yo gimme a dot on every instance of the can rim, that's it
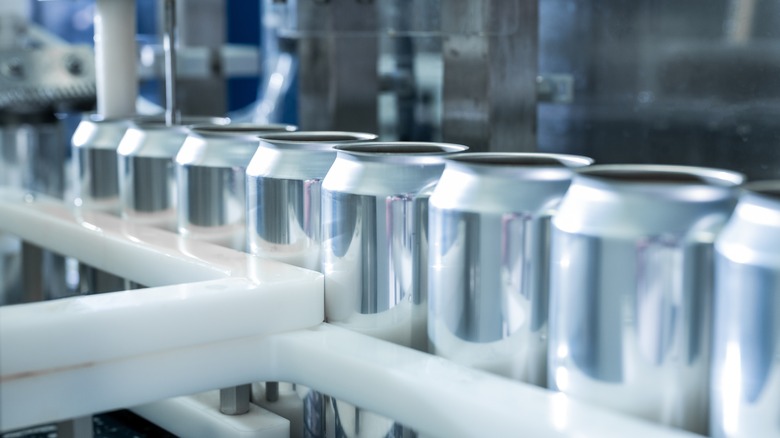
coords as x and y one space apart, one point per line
240 129
313 139
400 148
521 159
661 174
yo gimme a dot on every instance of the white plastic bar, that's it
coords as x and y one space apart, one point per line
116 74
198 416
78 356
217 295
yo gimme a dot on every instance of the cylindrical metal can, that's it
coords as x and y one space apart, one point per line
211 181
147 181
375 237
631 285
284 181
745 385
375 253
95 142
489 225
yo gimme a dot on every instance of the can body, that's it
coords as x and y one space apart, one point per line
631 286
147 180
375 238
284 181
211 181
95 143
745 387
488 263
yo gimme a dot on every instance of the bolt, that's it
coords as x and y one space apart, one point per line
73 65
13 68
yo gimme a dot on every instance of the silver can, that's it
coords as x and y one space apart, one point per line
489 225
745 385
284 181
631 285
95 142
211 181
375 252
375 220
147 180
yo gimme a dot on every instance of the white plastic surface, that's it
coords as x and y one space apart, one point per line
116 74
77 356
198 416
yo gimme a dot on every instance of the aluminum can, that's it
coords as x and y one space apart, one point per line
95 142
489 225
375 252
284 181
211 181
33 159
375 220
147 180
745 385
631 285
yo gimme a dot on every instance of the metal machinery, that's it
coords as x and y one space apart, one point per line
667 82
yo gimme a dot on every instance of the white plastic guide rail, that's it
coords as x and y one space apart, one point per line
216 317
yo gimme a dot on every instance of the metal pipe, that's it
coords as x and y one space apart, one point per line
169 45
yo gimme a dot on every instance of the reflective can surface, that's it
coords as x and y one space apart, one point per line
745 386
488 264
211 180
375 243
147 181
95 142
284 181
631 285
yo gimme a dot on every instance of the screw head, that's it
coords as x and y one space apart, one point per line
13 68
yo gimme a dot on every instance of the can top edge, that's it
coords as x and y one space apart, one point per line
520 159
660 174
156 126
400 148
240 129
313 139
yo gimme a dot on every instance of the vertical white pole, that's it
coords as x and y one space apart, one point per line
115 58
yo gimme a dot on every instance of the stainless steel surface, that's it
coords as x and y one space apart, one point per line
201 24
172 116
235 400
745 390
337 72
284 181
489 225
375 241
631 286
489 84
94 154
232 60
147 180
211 181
